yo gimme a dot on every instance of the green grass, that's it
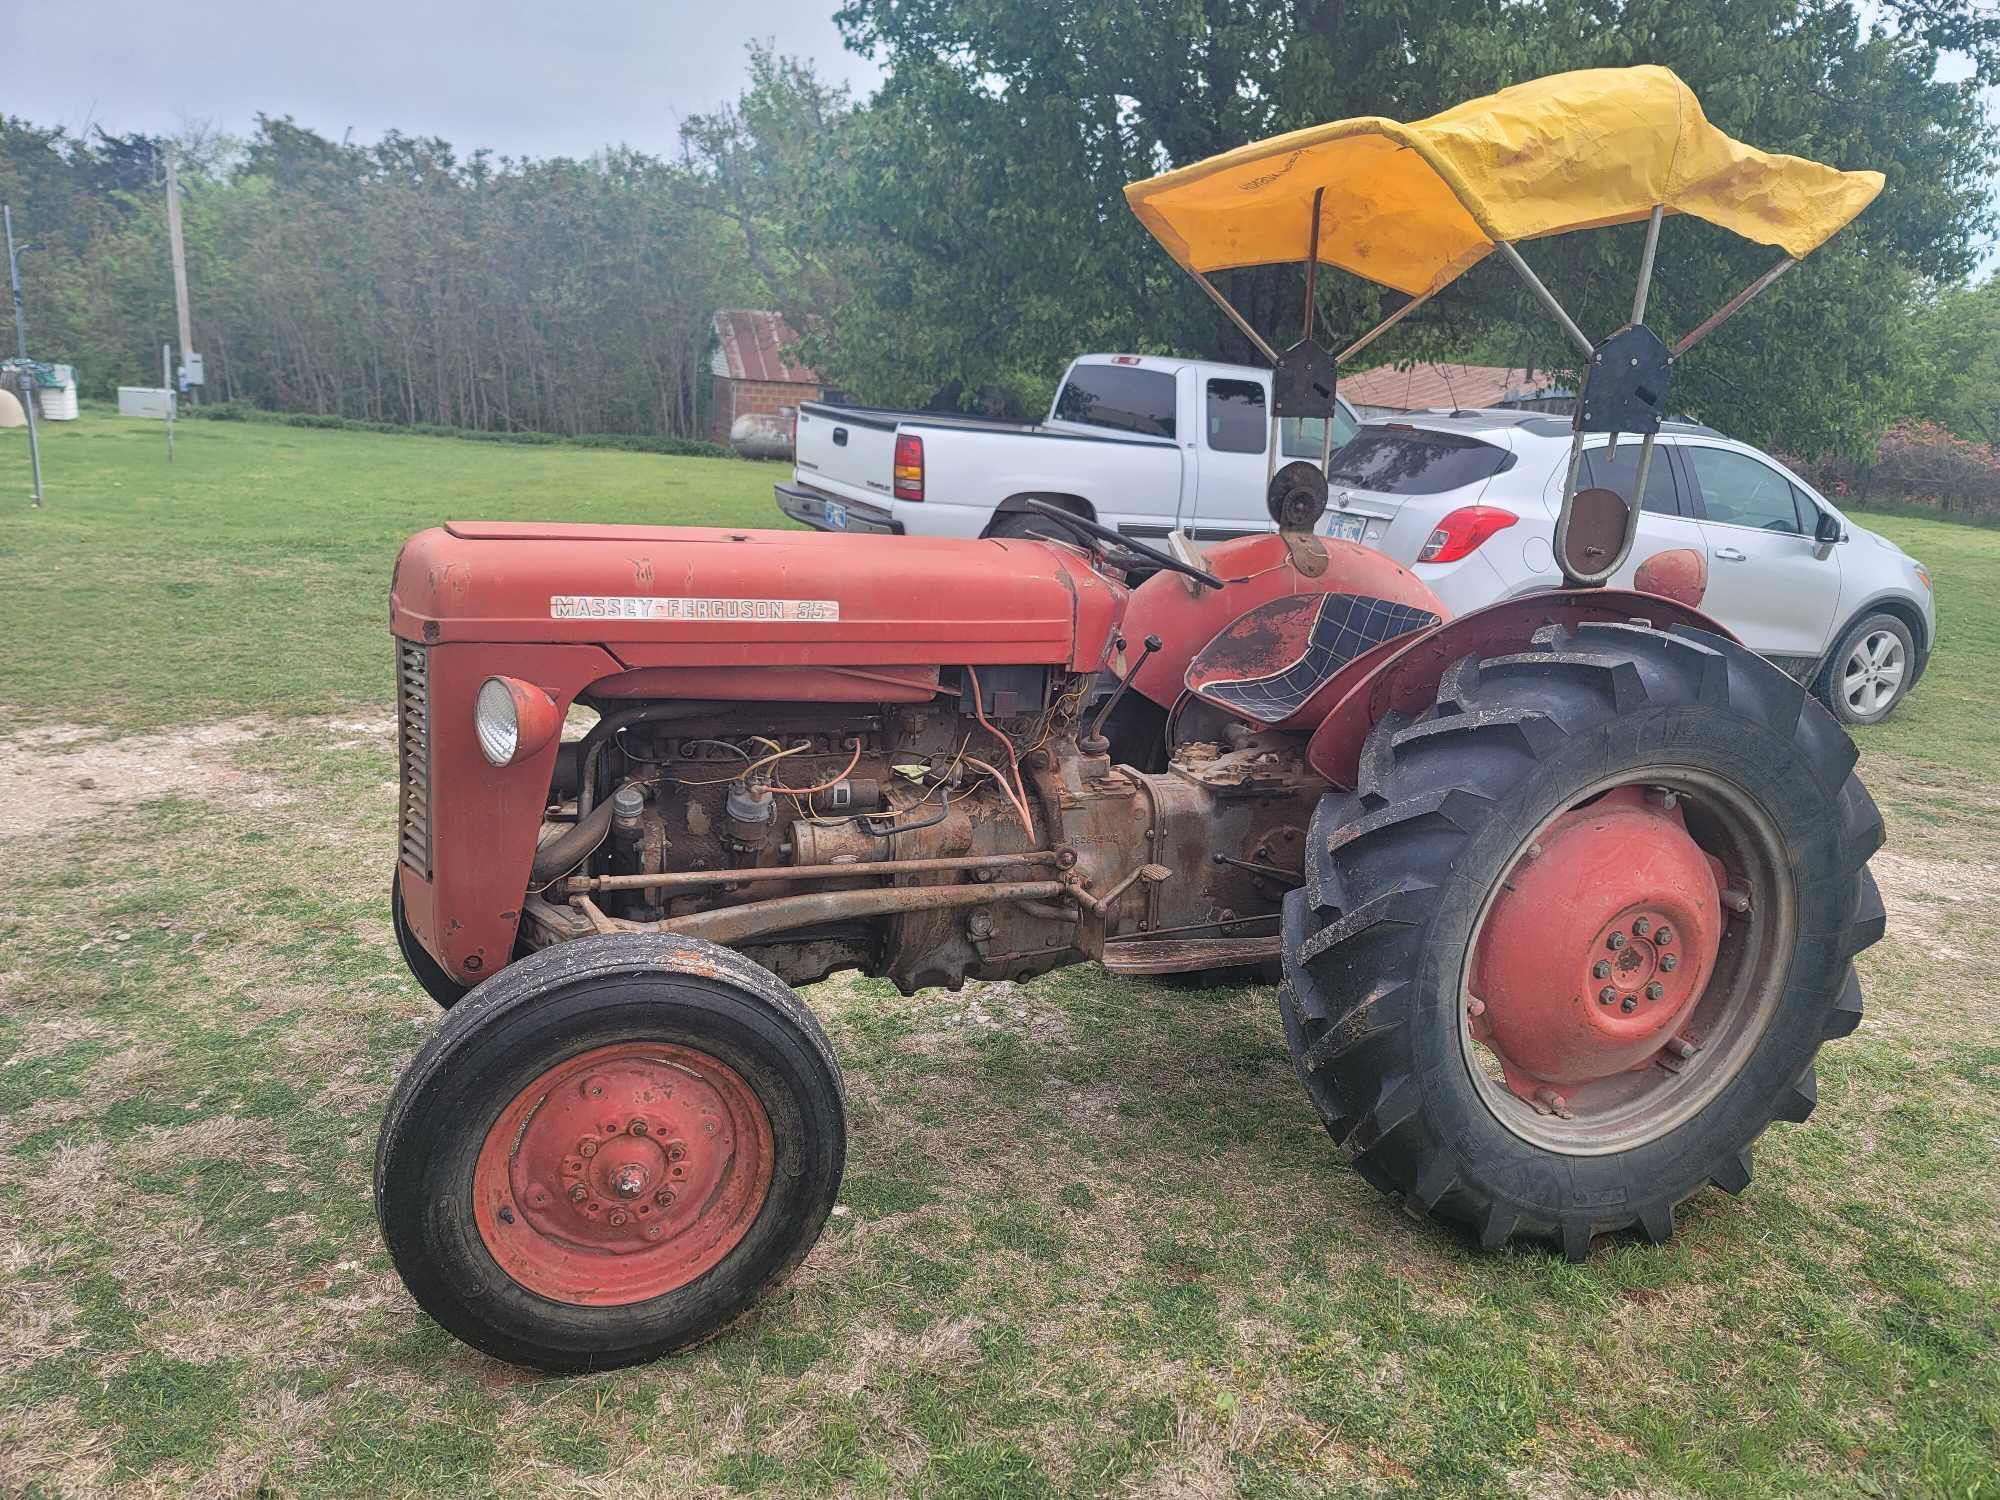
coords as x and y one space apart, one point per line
1093 1241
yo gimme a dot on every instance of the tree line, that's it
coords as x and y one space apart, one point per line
955 237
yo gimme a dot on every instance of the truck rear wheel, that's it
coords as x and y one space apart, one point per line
1579 932
610 1151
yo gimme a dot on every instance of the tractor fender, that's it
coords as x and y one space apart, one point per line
1404 679
1254 569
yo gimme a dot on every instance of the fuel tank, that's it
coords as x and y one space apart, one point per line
700 596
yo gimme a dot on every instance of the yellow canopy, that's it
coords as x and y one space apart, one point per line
1415 206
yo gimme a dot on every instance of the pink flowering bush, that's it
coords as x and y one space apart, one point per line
1918 464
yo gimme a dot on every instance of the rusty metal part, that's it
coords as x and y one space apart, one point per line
693 879
1151 874
1189 955
732 924
590 1221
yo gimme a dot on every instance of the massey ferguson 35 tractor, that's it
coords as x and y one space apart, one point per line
1566 892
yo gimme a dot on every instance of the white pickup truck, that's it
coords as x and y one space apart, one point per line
1141 442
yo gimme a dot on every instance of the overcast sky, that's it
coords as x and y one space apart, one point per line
524 77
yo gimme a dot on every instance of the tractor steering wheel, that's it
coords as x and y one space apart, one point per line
1118 540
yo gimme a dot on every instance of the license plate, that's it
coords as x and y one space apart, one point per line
1345 528
836 516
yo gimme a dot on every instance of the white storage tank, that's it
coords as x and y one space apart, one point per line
144 401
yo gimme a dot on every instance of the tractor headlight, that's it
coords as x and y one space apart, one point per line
514 719
498 722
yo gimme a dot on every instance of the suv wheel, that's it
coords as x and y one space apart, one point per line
1869 671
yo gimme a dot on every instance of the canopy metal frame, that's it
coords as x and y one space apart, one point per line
1578 339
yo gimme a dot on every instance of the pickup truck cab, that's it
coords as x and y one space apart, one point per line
1141 442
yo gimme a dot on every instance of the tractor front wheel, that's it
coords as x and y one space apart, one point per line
1577 935
610 1150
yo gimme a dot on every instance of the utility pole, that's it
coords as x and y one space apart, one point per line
180 265
27 381
14 281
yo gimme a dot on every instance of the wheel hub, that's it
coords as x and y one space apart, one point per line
1597 946
623 1173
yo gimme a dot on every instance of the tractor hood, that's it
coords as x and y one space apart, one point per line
710 596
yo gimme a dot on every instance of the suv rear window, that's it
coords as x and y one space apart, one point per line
1414 461
1119 397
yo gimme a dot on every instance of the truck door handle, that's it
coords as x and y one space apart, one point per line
1730 554
840 437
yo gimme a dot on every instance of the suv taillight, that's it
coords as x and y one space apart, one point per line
909 468
1460 533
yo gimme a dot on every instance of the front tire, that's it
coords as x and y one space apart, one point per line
610 1150
1870 670
1623 780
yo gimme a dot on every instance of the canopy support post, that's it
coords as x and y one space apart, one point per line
1646 265
1547 298
1383 327
1242 324
1312 264
1733 306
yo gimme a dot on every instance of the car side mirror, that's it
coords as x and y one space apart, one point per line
1826 532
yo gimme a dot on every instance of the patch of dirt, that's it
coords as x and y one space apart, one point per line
1919 893
56 777
51 1448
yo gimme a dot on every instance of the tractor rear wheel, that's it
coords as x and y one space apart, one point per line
1578 933
610 1150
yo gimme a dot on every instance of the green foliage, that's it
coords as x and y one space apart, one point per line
623 442
394 283
972 220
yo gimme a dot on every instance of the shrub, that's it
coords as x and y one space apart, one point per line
625 442
1917 465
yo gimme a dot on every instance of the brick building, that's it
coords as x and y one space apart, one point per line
751 371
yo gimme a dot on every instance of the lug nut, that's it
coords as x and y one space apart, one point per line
586 1147
676 1151
578 1193
1641 926
1606 995
664 1197
1615 941
1601 969
1664 936
1655 990
1670 962
652 1231
617 1216
638 1127
1628 1005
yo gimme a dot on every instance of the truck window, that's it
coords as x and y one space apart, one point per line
1236 416
1299 437
1415 461
1119 397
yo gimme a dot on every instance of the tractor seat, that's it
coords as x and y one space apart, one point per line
1268 662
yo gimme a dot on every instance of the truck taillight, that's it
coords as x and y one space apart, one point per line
1460 533
909 468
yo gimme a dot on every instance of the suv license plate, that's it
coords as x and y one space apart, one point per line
836 516
1346 528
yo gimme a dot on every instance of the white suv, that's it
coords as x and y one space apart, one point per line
1468 499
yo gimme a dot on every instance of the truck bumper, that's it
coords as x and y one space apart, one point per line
808 506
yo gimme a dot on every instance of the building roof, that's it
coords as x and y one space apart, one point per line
751 345
1427 387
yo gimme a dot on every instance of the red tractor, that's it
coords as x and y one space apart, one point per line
1565 892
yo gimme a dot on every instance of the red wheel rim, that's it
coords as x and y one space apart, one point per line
1597 946
1582 1031
622 1174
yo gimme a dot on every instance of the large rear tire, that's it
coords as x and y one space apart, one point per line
1531 834
610 1150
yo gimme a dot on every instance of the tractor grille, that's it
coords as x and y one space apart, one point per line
413 753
